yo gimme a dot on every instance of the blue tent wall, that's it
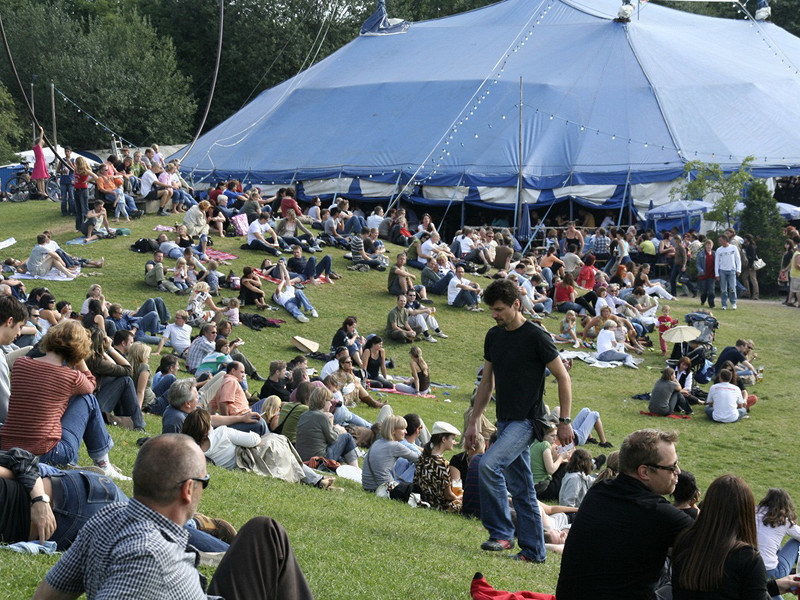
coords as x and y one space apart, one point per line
604 102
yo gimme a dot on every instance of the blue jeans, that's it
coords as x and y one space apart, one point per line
787 557
77 496
156 304
707 291
544 306
161 390
149 323
293 304
339 449
565 306
727 287
354 225
67 199
613 355
342 416
82 420
465 298
583 424
81 207
315 269
440 287
259 427
710 413
118 395
547 275
183 197
504 469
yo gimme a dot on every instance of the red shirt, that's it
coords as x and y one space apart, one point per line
40 392
563 293
288 202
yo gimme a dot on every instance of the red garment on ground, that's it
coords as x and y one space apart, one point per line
481 590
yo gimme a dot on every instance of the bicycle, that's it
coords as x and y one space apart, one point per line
20 187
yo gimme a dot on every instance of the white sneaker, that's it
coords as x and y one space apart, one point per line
733 306
442 335
431 339
724 308
302 318
113 472
314 313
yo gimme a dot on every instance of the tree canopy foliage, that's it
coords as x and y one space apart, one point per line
113 64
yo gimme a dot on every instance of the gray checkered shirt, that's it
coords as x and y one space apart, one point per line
129 551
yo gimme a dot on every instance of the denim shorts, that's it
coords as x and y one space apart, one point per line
77 496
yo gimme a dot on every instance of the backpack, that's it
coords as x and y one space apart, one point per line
145 245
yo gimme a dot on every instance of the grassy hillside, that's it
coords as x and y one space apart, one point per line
356 546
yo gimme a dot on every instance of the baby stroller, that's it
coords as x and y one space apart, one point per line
706 323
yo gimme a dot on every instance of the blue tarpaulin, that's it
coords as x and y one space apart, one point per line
436 104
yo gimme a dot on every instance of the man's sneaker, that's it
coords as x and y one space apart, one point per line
724 308
431 339
219 528
314 313
426 301
599 461
442 335
733 306
113 472
161 213
312 249
302 318
497 545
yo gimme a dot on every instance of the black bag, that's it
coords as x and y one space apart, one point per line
401 491
145 245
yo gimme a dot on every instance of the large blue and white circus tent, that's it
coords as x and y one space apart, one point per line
523 101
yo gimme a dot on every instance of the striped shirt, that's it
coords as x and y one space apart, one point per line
130 551
40 392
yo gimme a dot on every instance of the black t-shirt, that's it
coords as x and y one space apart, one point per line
730 353
519 358
460 462
15 512
340 338
625 515
744 577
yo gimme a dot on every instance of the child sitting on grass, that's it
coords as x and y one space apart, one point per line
568 329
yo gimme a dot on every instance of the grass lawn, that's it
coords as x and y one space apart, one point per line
356 546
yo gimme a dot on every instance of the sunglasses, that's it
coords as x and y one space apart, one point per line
671 468
203 480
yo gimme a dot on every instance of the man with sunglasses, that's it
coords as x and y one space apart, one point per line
630 516
140 549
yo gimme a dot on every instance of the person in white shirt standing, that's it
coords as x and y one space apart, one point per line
727 267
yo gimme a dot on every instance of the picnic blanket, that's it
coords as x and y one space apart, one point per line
219 255
52 275
163 228
261 274
399 393
649 414
7 242
79 241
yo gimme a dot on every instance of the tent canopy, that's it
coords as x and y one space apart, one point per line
436 105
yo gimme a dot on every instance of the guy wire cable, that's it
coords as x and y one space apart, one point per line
213 80
25 97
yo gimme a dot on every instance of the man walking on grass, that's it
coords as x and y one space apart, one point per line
516 354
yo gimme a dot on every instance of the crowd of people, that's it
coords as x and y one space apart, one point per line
75 372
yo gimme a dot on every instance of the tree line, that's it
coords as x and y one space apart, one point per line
143 69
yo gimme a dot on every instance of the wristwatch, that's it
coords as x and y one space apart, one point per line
566 420
43 498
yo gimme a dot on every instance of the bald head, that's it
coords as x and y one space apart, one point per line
162 464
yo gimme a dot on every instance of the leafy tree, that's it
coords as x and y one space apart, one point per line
115 66
708 181
265 42
423 10
11 133
761 218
